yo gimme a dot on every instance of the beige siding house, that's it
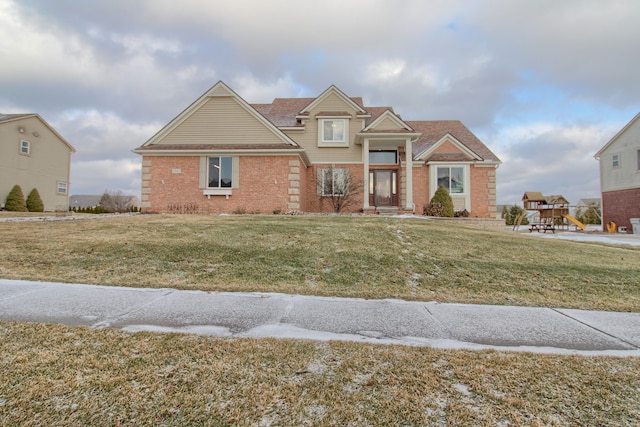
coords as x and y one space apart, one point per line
223 154
34 155
620 176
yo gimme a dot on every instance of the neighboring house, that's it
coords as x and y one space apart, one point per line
588 202
223 154
84 201
584 204
620 176
34 155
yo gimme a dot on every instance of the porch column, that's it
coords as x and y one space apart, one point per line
408 173
365 161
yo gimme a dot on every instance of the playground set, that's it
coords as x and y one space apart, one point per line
553 213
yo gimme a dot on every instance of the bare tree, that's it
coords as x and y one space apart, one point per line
338 186
116 201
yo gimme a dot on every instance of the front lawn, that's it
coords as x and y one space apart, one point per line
61 376
346 256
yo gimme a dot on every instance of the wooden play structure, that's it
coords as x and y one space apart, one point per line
553 212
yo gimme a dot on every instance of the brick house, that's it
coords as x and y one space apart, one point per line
620 176
223 155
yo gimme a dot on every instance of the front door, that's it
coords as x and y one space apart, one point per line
383 187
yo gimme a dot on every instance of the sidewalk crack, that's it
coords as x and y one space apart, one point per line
107 322
634 346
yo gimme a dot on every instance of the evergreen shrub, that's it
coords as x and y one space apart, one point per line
443 197
15 200
34 202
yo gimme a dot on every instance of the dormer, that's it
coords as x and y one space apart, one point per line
334 113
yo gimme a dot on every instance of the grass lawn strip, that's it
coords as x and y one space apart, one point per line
344 256
58 375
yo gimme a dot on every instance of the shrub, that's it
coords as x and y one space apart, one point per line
433 209
15 200
34 202
115 201
461 214
443 197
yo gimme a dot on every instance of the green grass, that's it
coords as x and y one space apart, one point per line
62 376
347 256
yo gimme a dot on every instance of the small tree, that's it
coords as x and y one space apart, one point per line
589 215
34 202
510 215
338 186
115 201
443 197
15 200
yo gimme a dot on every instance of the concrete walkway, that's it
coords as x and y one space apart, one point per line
542 330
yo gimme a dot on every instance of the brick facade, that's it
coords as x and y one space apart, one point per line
483 194
316 203
619 206
267 184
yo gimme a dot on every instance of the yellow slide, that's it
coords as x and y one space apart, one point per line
577 223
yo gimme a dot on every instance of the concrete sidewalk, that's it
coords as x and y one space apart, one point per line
542 330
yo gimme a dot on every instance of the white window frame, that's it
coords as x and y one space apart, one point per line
219 186
23 146
615 161
465 180
336 172
323 142
433 182
61 187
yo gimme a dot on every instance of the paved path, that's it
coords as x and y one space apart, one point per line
431 324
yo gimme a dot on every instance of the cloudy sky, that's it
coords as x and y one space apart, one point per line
544 83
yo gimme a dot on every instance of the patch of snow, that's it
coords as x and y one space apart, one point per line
608 238
208 330
463 389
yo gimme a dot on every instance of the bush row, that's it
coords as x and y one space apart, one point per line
16 202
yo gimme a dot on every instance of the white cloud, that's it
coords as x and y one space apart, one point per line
255 91
550 158
33 51
102 135
543 83
97 176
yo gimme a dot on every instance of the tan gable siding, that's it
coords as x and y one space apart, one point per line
309 138
387 124
332 103
221 120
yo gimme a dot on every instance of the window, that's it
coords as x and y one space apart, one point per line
383 157
452 178
333 132
61 187
220 172
638 155
615 161
334 182
25 148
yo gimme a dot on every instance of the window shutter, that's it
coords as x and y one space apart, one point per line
202 179
235 172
